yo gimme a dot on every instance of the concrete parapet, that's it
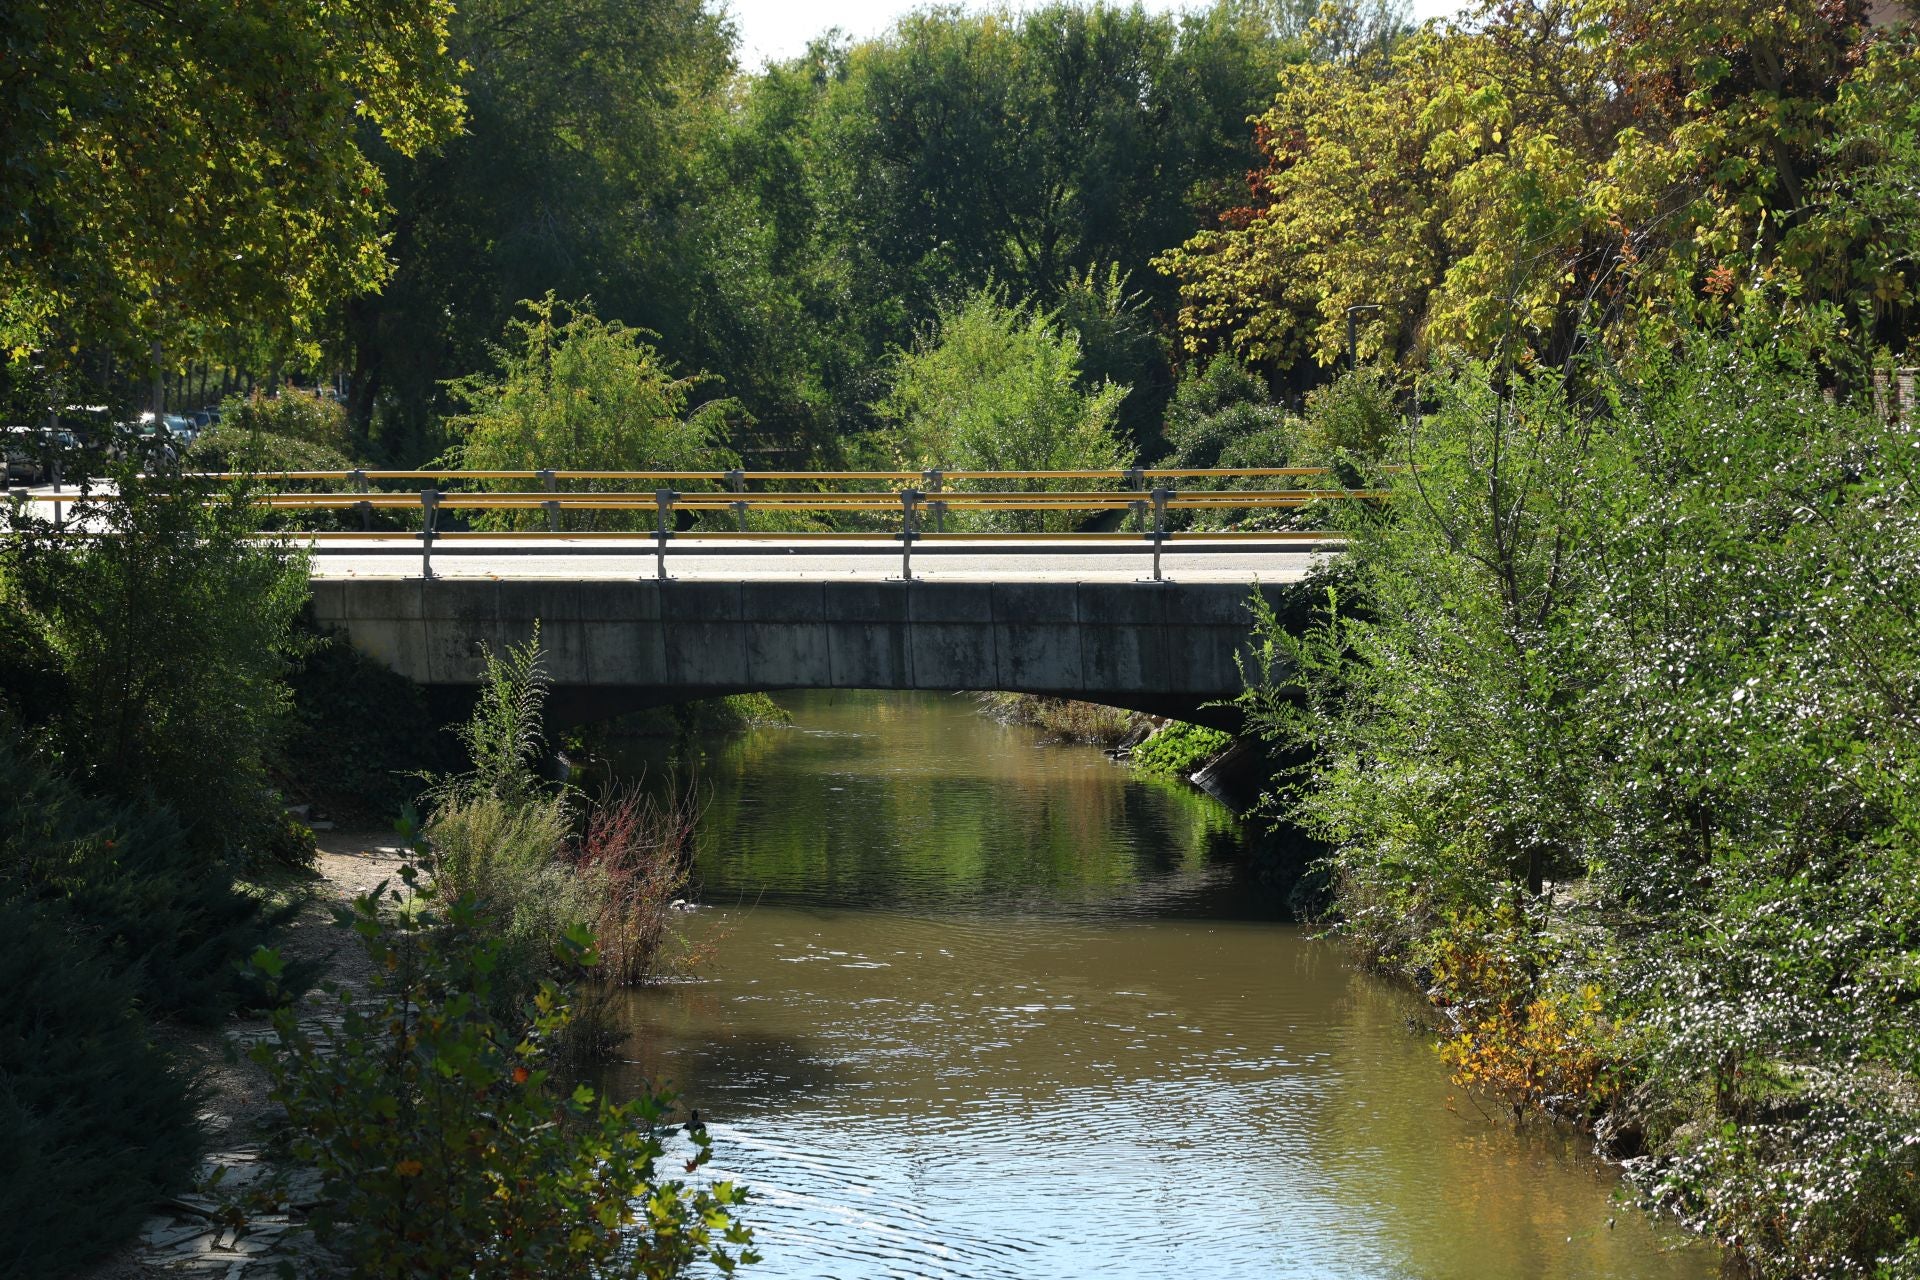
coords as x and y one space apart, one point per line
614 645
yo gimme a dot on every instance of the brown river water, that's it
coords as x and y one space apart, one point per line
981 1006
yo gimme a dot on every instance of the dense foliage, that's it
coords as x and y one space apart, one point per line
786 230
175 173
155 653
1533 168
579 393
94 1114
445 1144
1613 732
995 387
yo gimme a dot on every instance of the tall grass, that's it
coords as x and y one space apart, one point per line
539 863
1068 720
637 847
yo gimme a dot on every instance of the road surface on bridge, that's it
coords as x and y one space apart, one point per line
696 559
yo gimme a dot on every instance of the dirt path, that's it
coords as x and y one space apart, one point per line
187 1236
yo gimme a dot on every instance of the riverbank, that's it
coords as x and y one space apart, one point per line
239 1221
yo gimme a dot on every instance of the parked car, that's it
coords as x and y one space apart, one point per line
30 452
25 459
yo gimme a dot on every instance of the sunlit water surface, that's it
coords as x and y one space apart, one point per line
978 1006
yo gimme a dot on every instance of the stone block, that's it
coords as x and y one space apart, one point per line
699 602
788 655
1123 656
624 652
1208 603
705 655
1037 657
953 655
869 655
1114 604
866 601
465 602
388 598
784 602
1030 603
968 602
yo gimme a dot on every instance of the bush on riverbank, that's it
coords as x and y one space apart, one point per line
140 703
1178 749
156 654
1068 720
1612 734
445 1144
520 847
97 1120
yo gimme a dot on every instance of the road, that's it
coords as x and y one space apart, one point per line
696 559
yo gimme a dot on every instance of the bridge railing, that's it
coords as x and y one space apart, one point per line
1146 493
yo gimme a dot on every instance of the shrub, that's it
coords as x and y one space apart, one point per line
228 448
153 904
996 387
292 416
1178 749
579 393
1352 419
638 850
1223 416
445 1146
170 634
1634 666
506 855
97 1121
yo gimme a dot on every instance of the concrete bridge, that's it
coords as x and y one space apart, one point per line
619 644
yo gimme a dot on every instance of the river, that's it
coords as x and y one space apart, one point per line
980 1006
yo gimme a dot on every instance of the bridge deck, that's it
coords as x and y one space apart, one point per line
696 559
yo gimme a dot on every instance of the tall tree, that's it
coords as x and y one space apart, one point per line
575 174
1549 164
171 171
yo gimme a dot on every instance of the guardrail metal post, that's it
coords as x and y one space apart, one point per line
59 507
1136 480
909 530
553 508
359 479
737 481
1159 534
429 521
663 500
935 476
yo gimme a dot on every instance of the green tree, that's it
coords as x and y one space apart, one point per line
997 387
172 170
579 393
1544 170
